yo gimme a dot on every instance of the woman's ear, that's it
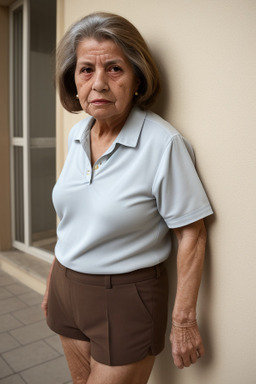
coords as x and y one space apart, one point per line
136 86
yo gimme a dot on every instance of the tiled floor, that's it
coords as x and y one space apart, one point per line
29 351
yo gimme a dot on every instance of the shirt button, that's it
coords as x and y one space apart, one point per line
88 173
96 167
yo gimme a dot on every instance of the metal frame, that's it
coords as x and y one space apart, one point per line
23 142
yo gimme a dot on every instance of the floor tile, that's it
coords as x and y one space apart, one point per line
28 263
33 332
13 379
8 322
11 304
29 315
52 372
5 370
18 288
4 294
27 357
31 298
55 343
30 353
7 342
6 280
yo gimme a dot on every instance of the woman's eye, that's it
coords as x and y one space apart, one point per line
115 69
86 70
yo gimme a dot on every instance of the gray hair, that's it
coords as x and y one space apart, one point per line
102 26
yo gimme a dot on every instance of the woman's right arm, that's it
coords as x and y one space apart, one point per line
44 304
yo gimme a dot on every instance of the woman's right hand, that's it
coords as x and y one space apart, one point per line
44 304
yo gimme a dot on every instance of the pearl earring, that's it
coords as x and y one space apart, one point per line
136 93
77 96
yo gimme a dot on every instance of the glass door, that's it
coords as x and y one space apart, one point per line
33 39
42 122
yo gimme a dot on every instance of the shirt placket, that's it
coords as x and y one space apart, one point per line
92 171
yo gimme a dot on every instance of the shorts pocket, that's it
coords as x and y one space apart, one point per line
145 294
143 297
126 302
129 324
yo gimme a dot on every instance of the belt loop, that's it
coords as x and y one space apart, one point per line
108 284
158 271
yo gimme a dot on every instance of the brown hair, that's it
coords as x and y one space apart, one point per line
100 26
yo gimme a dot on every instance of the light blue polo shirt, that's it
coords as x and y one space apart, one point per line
115 216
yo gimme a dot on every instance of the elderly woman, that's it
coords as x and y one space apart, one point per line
128 179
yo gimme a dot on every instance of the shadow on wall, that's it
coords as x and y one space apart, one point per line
163 102
205 298
164 369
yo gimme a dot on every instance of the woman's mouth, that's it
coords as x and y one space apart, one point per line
100 102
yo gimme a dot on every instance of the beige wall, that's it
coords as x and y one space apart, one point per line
5 224
206 52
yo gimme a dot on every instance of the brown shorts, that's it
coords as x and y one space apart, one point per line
123 316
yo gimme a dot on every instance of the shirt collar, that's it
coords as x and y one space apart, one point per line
129 134
83 133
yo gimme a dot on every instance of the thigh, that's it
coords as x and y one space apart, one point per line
78 355
135 373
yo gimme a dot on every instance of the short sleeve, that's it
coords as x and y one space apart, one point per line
180 196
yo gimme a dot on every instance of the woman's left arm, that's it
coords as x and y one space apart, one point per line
186 341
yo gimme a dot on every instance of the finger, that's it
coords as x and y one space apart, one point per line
191 352
200 351
44 309
178 361
186 361
193 357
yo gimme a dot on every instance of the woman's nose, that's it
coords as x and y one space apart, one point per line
100 83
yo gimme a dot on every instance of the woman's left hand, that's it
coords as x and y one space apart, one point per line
187 345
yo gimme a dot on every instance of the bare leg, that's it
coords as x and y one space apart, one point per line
136 373
78 356
85 370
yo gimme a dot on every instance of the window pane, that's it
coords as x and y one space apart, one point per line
42 122
17 71
42 68
42 211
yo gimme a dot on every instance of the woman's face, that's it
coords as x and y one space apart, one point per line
105 80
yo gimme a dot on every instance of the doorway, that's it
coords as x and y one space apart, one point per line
32 118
